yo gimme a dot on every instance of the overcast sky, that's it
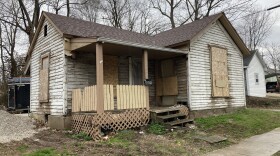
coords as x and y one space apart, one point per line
275 30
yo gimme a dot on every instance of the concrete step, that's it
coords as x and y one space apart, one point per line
179 122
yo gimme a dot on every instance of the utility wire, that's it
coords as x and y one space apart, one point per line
268 9
273 7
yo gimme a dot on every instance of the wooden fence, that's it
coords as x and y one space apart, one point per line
131 96
127 97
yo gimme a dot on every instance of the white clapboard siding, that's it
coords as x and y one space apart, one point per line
52 43
253 88
79 73
200 71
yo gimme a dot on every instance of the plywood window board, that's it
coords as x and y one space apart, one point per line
219 71
44 78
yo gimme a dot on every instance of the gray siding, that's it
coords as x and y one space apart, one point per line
123 71
199 71
81 72
182 78
52 43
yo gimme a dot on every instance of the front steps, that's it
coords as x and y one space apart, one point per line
170 116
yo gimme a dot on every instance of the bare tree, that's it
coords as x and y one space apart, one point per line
115 11
255 27
29 19
168 8
148 24
272 57
88 10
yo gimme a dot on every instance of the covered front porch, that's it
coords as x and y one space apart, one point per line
123 77
116 84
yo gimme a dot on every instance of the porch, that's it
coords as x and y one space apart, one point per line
113 86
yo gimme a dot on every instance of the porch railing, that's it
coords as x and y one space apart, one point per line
127 97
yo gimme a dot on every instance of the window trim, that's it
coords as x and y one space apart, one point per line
45 30
43 56
257 78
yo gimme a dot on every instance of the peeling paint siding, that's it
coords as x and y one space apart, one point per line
254 89
181 72
200 72
52 43
81 72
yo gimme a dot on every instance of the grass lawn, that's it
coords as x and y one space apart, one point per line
156 140
241 124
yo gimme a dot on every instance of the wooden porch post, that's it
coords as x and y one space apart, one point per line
99 78
145 74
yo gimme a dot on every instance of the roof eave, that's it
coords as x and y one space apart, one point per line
138 45
234 35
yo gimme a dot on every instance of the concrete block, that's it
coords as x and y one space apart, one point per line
59 122
39 117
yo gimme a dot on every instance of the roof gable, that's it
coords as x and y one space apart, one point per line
247 60
185 32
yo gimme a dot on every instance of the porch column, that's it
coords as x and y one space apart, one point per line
99 78
145 74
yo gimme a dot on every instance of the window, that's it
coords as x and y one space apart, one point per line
44 78
219 72
257 79
45 30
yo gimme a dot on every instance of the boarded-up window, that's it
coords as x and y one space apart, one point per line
219 69
44 78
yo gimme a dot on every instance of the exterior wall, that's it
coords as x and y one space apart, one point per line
253 88
182 78
80 72
52 43
200 71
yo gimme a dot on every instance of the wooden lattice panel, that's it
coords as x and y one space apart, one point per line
184 110
92 124
87 125
77 122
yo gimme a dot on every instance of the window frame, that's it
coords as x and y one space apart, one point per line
213 85
45 30
257 78
45 55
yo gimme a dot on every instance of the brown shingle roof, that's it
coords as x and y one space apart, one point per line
81 28
185 32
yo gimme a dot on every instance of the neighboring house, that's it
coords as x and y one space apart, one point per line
79 66
270 75
255 68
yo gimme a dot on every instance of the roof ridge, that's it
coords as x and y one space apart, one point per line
103 25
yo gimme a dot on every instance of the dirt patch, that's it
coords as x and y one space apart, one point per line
267 102
129 142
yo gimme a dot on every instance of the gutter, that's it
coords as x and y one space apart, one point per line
138 45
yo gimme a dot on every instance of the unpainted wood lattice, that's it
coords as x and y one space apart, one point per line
77 122
92 124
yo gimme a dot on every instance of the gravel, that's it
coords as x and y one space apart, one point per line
14 127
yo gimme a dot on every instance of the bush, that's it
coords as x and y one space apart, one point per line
156 128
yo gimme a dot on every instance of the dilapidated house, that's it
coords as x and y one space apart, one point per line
78 66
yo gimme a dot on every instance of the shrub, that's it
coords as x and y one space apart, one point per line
156 128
